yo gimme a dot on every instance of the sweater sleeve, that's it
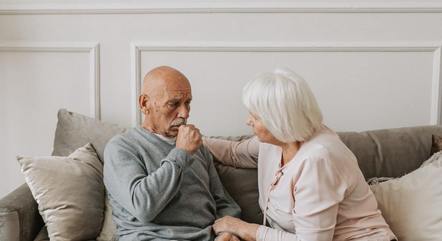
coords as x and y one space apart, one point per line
265 233
143 194
225 205
239 154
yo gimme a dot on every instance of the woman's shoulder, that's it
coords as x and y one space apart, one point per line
326 142
321 145
328 152
315 154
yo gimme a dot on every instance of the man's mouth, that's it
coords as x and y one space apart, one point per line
178 122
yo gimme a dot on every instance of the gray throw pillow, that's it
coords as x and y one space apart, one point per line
69 192
75 130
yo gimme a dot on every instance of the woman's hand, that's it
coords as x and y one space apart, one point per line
226 237
236 226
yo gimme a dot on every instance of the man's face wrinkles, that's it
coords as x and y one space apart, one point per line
172 110
168 94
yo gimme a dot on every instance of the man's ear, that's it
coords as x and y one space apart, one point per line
144 103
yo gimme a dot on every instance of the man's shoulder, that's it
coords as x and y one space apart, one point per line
126 140
122 137
133 139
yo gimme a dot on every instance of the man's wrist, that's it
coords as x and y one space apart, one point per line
180 157
247 231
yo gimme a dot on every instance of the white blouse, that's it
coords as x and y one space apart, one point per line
320 195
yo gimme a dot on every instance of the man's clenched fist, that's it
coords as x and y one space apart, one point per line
188 138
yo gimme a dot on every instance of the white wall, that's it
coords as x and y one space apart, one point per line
371 64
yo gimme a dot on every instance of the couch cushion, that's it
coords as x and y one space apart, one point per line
69 192
75 130
22 202
107 232
42 235
9 225
391 152
242 186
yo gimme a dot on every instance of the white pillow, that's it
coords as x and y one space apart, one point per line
435 160
412 204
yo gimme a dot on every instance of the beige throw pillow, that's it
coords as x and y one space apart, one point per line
69 192
109 229
411 205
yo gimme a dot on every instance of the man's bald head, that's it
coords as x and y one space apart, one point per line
165 100
164 78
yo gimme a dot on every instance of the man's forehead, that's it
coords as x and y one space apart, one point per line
178 89
178 93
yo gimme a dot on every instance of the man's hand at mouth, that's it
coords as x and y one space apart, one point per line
188 138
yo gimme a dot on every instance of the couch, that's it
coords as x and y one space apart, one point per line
380 153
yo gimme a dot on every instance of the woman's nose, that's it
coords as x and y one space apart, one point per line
249 122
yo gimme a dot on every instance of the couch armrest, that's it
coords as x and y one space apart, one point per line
20 207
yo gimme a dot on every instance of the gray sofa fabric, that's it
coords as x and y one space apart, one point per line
29 219
75 130
391 152
9 225
42 235
243 190
380 153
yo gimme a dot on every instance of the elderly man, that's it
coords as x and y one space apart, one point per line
161 181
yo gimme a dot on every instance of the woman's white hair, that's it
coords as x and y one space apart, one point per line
285 104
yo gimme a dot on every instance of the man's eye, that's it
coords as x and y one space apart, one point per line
172 104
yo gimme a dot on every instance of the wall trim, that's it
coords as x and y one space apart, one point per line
94 63
436 95
72 7
432 47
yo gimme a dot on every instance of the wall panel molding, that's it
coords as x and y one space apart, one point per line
436 95
137 48
93 49
71 7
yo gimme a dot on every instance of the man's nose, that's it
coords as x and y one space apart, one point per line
183 112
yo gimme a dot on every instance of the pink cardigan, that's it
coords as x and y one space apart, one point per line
320 195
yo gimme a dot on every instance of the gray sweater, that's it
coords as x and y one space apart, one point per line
159 192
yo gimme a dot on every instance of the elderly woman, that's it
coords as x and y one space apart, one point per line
310 184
